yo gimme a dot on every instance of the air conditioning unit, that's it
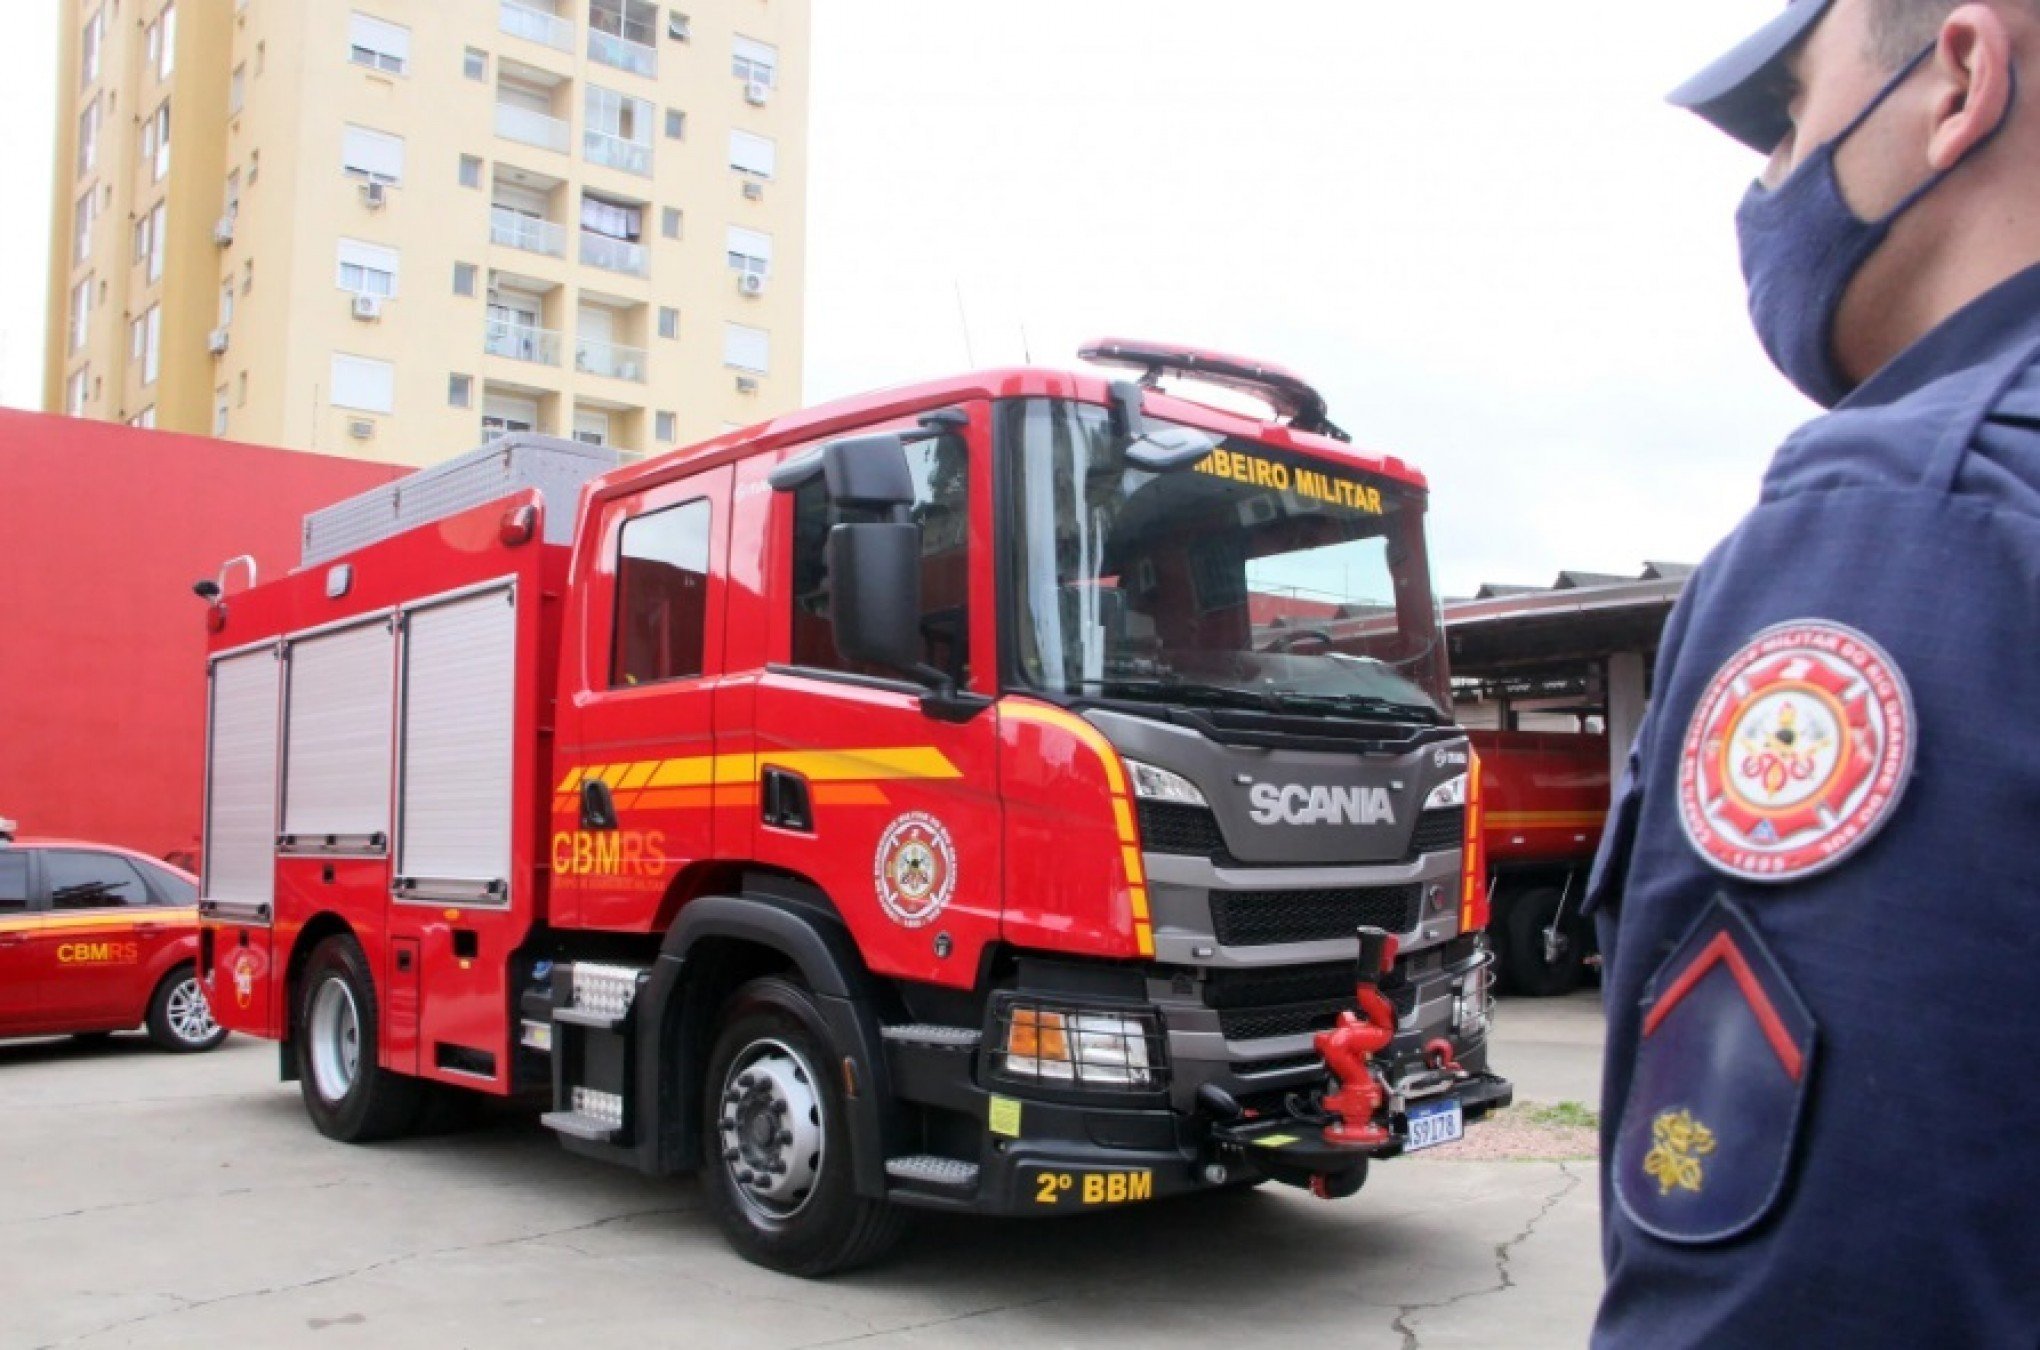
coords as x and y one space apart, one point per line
375 194
216 341
746 384
754 192
223 231
368 308
360 428
757 92
751 283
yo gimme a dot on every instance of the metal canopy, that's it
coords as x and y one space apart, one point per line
1522 634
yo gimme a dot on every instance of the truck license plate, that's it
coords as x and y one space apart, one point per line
1438 1123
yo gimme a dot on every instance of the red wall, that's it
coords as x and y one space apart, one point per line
102 644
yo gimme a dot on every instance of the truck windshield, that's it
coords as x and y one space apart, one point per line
1257 579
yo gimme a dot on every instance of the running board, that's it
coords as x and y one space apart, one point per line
575 1125
926 1169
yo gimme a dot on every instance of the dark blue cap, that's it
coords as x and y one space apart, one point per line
1745 92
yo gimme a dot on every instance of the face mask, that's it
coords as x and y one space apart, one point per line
1802 246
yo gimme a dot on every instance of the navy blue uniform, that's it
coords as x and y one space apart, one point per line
1819 895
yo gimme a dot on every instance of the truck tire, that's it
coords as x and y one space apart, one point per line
778 1175
1530 971
349 1096
180 1020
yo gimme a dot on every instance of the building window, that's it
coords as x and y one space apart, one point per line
618 131
367 269
676 125
261 56
219 411
241 390
506 416
372 156
679 27
661 595
81 226
591 428
474 63
145 420
460 391
669 222
463 278
88 137
665 428
749 252
753 154
75 390
754 62
364 385
746 348
166 50
146 344
81 314
156 142
237 88
254 166
669 322
233 198
226 302
470 171
93 46
612 220
247 276
378 44
159 239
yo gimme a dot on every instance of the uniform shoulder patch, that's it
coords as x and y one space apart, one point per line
1798 752
1705 1144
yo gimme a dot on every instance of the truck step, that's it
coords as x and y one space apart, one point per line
581 1126
935 1037
926 1169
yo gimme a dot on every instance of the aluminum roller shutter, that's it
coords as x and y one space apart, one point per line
460 681
336 774
240 790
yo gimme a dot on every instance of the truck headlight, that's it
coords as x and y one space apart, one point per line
1451 792
1151 784
1082 1049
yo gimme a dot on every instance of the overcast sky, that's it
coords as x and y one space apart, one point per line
1476 226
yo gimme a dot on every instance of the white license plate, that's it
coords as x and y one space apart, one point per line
1430 1126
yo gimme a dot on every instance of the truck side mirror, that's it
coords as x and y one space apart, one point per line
875 595
1166 449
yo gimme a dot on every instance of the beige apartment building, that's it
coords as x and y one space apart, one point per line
392 228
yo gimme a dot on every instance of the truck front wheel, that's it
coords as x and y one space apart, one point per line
349 1096
778 1178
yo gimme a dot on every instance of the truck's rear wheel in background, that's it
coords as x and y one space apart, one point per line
778 1175
1531 968
349 1096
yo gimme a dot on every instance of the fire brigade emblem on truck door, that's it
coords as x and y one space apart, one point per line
915 869
1797 754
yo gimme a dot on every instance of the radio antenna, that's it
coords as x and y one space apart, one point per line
963 322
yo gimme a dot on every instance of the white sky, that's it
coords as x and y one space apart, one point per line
1476 226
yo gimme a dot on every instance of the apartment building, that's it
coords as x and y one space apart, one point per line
392 228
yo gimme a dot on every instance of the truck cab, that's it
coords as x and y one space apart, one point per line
963 797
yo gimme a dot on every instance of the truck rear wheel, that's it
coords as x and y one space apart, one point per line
349 1096
1534 969
778 1178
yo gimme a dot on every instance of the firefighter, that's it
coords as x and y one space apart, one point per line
1817 899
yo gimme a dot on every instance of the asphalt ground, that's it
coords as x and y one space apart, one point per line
148 1199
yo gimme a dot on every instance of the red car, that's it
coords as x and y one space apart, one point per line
95 939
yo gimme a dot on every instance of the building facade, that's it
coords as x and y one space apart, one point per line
391 228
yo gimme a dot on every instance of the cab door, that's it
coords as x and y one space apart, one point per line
638 722
891 811
20 957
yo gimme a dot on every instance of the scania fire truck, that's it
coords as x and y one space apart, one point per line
929 800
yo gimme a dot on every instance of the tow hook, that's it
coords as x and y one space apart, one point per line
1349 1048
1438 1054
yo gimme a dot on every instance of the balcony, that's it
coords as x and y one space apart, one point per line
531 128
623 53
614 255
535 25
599 147
593 356
515 230
541 346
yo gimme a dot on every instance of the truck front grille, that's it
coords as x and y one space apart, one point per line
1439 830
1255 1005
1172 827
1261 918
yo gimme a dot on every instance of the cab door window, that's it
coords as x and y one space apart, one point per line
79 880
941 470
661 595
13 882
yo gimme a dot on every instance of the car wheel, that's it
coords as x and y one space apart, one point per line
778 1178
180 1020
1533 969
348 1094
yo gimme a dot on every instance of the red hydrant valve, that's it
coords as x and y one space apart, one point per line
1349 1048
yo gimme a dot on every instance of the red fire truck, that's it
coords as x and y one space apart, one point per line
1546 800
894 805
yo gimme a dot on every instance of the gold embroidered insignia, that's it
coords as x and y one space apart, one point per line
1678 1143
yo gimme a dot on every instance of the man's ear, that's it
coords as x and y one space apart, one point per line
1973 84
